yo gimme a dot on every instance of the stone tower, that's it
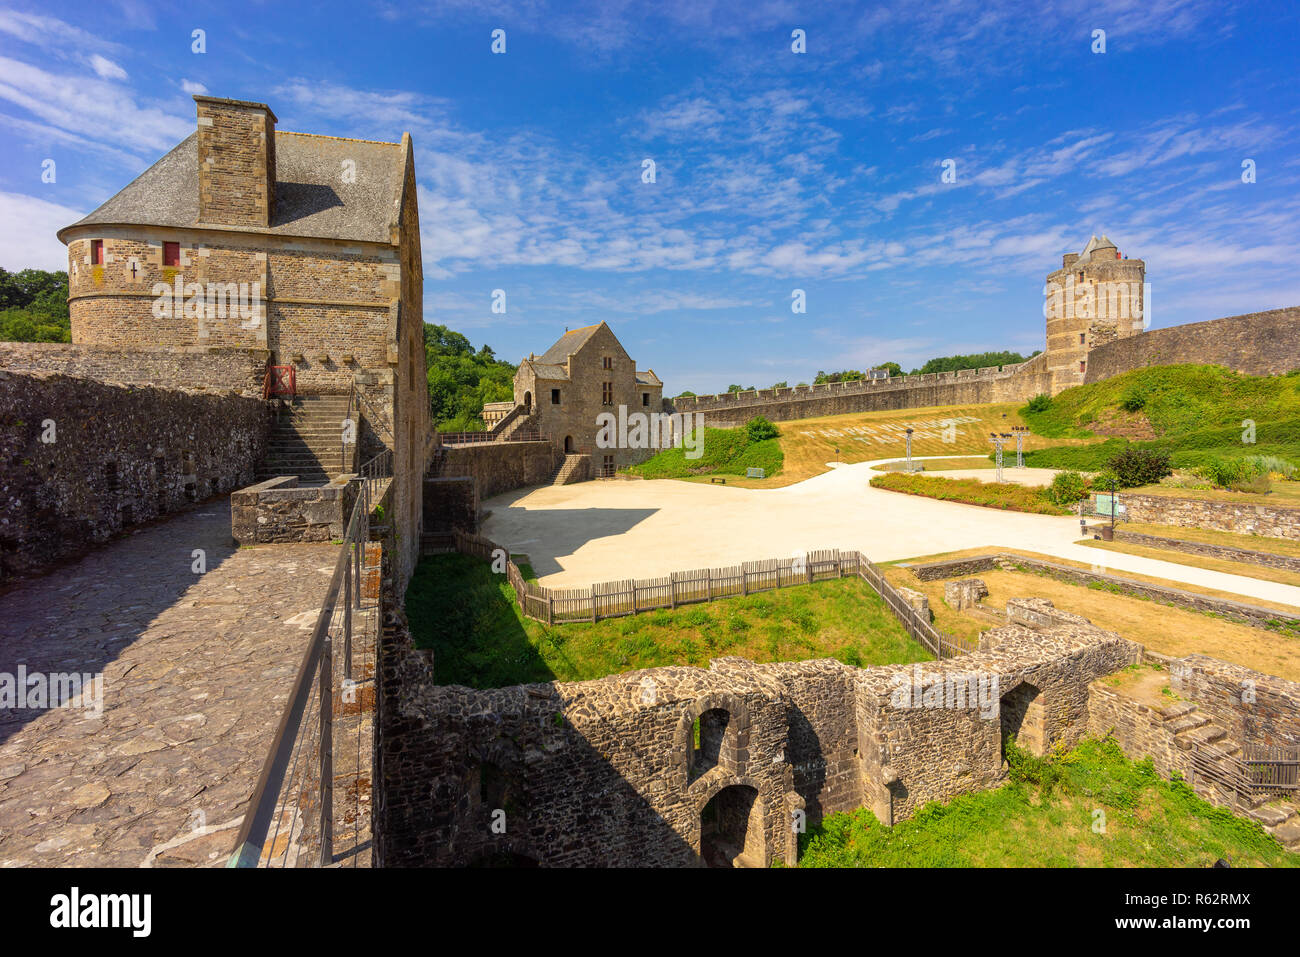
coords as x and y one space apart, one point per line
1096 296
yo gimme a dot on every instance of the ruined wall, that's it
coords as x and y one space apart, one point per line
1244 518
121 455
605 773
1258 343
198 368
1251 706
277 510
450 503
500 466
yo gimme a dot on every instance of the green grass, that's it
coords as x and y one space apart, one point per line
1196 412
1044 817
469 617
725 452
1004 495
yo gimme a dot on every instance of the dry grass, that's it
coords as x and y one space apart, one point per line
807 447
1134 576
1170 631
1246 569
1283 495
1255 543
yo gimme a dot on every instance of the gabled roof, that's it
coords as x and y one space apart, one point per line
568 344
648 378
310 197
545 370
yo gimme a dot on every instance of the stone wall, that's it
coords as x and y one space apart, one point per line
1253 707
500 466
277 511
1258 343
1244 518
198 368
1267 559
1016 383
114 456
606 772
450 503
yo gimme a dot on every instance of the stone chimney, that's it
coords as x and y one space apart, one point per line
236 162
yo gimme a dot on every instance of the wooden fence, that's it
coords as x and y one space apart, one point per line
615 599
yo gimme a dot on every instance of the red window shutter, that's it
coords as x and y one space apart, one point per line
97 252
171 254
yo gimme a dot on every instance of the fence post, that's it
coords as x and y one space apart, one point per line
634 596
593 604
326 754
347 619
550 609
672 589
744 581
708 584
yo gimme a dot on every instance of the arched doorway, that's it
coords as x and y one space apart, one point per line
707 734
1022 714
568 445
731 828
528 401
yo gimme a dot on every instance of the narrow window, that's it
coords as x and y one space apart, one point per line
555 397
645 398
97 252
1082 365
171 254
1081 338
607 393
608 362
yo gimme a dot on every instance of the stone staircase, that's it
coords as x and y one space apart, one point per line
1215 772
576 467
306 440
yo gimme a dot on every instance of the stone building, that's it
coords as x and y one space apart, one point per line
585 375
299 248
1096 297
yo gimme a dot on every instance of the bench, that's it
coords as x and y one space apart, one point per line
715 480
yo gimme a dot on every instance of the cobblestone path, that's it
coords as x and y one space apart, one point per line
195 667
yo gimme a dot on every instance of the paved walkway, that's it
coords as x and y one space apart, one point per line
195 672
600 531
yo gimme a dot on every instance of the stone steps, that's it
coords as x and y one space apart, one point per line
307 440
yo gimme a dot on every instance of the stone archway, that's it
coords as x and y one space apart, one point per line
731 828
1023 715
568 445
528 401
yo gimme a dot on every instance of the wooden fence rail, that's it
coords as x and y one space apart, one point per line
614 599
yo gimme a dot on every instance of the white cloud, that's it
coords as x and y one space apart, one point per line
34 245
189 86
106 68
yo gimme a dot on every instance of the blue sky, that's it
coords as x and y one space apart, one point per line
775 171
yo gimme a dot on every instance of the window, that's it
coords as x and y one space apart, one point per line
1081 338
171 254
97 252
607 362
555 397
645 398
607 393
1082 365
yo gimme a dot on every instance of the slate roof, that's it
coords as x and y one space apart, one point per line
545 370
310 197
648 378
568 344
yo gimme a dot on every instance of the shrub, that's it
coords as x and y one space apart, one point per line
1133 400
1273 466
1105 480
1134 467
1067 488
1040 403
1224 472
760 429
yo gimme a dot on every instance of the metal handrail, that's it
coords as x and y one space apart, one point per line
317 660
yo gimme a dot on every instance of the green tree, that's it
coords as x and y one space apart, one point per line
34 306
462 381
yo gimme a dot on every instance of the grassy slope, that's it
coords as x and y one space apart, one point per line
971 491
1195 411
479 637
1046 818
725 452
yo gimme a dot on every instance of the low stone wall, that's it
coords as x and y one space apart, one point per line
198 369
1251 706
1266 559
1141 730
500 466
1259 343
83 460
1255 615
278 511
1244 518
450 503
